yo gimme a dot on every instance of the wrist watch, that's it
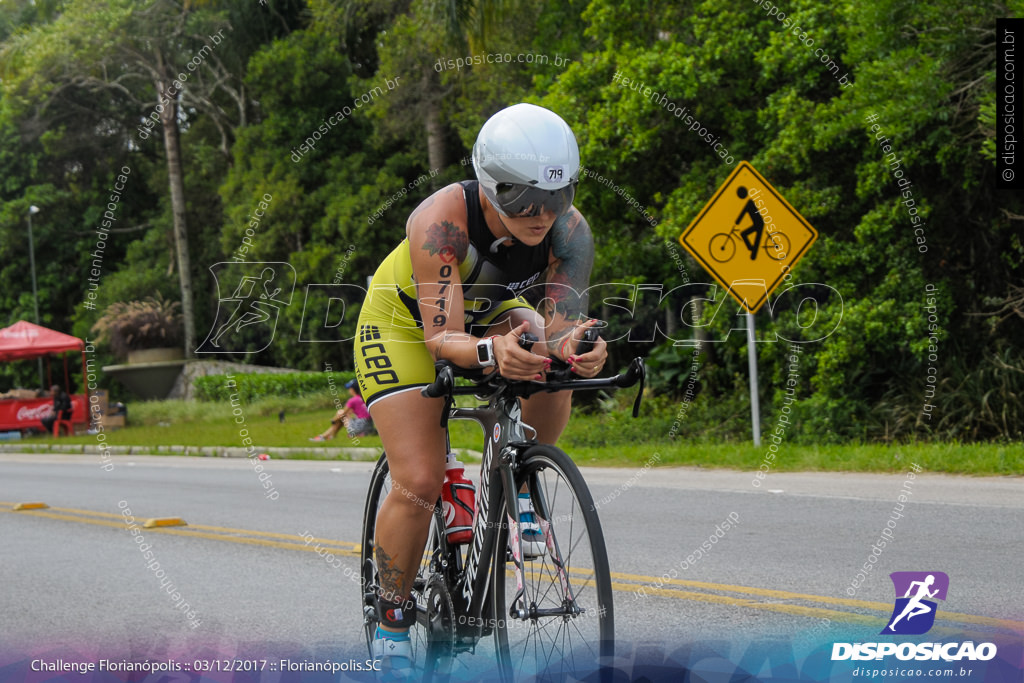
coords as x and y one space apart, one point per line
485 352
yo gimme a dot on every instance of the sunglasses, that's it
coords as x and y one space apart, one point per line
524 201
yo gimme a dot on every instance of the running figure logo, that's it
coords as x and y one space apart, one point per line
914 613
247 319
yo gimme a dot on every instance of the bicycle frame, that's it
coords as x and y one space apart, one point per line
505 430
505 437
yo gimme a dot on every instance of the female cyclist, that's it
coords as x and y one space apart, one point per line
482 262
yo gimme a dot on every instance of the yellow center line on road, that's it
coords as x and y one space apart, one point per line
787 595
294 542
70 518
245 532
92 513
227 530
347 549
795 610
197 531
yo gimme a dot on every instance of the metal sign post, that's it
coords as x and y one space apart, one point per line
749 238
755 405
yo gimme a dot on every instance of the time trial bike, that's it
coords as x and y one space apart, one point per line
485 610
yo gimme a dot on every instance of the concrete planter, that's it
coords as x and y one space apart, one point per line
150 373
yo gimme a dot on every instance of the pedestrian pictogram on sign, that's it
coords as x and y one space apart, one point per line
748 237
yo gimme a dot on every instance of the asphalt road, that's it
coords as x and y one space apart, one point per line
73 580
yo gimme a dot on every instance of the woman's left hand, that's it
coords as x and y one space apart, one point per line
590 363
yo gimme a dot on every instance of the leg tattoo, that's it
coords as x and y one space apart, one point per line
390 577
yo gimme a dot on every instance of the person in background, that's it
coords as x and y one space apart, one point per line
61 408
354 416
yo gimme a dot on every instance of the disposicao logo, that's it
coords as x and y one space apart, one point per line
913 614
947 652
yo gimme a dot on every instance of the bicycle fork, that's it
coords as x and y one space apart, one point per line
522 610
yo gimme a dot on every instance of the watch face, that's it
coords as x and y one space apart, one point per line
485 353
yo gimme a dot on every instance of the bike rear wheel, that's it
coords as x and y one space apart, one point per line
563 625
722 247
438 653
776 246
432 635
379 486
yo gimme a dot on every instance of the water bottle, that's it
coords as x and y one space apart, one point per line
458 499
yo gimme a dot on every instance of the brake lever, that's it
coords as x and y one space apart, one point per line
443 383
586 343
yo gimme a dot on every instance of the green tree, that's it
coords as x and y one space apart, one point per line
161 63
924 73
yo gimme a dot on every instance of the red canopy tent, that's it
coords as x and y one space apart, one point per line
25 341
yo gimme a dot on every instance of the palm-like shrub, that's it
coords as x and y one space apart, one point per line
136 325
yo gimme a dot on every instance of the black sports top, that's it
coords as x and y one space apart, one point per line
488 276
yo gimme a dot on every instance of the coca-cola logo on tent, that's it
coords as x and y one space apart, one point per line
26 414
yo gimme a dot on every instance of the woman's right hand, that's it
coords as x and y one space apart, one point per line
515 362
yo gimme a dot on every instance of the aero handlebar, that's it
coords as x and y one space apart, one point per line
559 379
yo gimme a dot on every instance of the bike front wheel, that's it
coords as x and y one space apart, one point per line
776 246
561 623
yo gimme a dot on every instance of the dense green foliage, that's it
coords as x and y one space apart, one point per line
394 118
257 386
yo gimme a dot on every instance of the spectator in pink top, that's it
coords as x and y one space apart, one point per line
354 416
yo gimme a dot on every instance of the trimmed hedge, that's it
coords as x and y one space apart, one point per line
255 386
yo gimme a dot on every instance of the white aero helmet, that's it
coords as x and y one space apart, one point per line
527 161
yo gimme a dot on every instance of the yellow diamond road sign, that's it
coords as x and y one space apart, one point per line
748 237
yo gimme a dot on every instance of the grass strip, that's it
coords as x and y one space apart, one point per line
587 439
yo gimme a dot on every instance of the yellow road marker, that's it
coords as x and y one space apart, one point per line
30 506
160 522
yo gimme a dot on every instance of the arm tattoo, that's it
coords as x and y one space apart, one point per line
572 247
389 577
448 240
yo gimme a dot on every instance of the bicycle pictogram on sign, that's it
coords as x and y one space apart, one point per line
748 237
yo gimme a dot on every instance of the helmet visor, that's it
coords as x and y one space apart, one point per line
524 201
